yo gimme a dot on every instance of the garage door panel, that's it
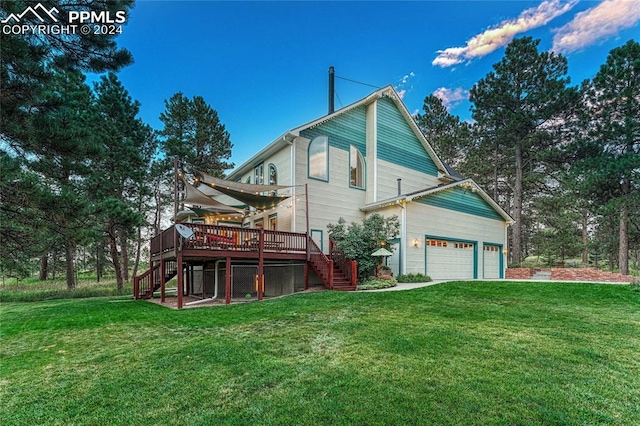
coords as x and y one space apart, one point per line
450 259
491 261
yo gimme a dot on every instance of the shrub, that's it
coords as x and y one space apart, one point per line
374 283
359 241
413 278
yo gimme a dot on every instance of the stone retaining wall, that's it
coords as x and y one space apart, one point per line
519 273
588 274
570 274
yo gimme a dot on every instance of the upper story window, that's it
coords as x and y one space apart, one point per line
319 158
248 179
273 177
273 174
356 168
258 172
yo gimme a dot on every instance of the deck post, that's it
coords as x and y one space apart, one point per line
163 279
354 272
189 283
306 275
227 281
180 278
330 274
261 265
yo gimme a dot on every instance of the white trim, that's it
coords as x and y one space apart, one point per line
293 185
416 195
403 238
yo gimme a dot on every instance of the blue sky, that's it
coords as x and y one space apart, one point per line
263 65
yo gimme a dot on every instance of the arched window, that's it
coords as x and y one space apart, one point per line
273 174
272 178
319 158
248 179
356 168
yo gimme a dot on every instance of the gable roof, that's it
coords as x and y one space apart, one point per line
387 91
412 196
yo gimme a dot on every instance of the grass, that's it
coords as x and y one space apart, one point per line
472 353
33 290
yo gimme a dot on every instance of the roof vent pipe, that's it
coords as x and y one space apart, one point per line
399 187
331 89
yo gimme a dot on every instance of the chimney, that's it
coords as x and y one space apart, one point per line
331 89
399 187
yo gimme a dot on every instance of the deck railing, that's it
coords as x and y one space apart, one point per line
321 264
215 237
347 266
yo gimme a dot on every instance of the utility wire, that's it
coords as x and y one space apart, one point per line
359 82
338 96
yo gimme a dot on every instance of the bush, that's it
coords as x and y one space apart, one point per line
374 283
413 278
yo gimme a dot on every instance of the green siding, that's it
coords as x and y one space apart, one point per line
463 201
397 143
343 130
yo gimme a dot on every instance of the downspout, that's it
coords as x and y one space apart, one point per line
403 236
294 194
215 285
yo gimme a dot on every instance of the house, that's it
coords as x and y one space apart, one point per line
369 157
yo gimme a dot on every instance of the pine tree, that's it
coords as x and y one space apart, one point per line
448 136
193 134
122 166
609 150
516 108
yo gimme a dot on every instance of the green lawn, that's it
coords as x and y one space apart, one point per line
460 353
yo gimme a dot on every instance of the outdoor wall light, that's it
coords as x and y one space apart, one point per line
416 242
505 251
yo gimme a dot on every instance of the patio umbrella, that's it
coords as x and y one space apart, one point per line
381 252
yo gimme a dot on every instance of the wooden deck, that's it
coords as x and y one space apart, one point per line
213 241
175 256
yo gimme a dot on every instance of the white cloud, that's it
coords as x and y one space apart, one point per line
500 35
451 97
403 85
599 22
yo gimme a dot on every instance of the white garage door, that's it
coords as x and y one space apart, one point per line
491 261
449 259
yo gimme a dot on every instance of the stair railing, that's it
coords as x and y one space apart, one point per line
347 266
143 283
321 264
150 280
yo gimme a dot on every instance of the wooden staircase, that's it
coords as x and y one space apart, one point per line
340 280
145 284
337 273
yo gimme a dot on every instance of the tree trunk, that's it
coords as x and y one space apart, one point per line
71 279
517 207
623 254
124 249
495 173
136 263
585 241
113 243
44 267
